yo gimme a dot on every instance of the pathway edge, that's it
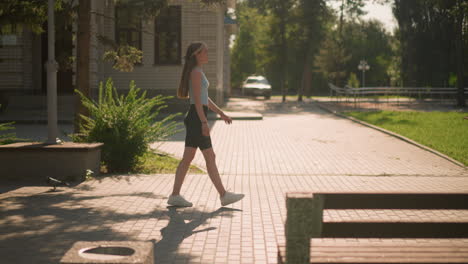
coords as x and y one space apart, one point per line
433 151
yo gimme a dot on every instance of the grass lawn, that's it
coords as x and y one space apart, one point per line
446 132
294 97
156 162
366 97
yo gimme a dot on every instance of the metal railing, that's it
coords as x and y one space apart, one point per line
439 94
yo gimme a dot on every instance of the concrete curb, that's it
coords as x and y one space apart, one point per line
34 121
393 134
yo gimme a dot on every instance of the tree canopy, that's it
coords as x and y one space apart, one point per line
324 44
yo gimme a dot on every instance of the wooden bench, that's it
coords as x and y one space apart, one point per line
309 239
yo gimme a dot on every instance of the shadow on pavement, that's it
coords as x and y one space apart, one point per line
177 230
41 227
276 108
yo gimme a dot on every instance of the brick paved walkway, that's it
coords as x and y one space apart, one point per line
305 140
311 150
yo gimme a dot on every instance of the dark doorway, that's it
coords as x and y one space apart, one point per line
63 54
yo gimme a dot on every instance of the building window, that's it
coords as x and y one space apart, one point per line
168 36
127 27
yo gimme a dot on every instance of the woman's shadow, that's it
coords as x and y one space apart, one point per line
178 229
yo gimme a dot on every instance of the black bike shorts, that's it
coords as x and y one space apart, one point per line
194 137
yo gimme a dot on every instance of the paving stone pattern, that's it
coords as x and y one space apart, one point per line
309 150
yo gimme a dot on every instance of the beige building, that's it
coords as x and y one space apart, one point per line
162 39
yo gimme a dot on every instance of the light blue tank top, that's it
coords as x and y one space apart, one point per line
204 88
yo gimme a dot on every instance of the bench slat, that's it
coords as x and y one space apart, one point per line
394 230
389 251
395 200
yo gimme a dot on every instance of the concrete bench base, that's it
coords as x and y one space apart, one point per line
34 160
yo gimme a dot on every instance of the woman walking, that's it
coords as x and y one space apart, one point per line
194 85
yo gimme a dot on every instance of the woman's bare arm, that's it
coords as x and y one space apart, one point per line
213 107
217 110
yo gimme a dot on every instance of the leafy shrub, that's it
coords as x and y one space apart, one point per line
126 124
6 138
353 81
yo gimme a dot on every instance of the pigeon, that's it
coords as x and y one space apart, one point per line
54 182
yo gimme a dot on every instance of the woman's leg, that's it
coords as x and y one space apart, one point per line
189 154
210 159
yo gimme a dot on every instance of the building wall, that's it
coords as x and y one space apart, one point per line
16 62
198 23
21 64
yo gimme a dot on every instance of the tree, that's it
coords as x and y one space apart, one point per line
332 60
18 14
459 11
82 66
351 9
244 57
279 10
312 18
314 46
427 58
369 40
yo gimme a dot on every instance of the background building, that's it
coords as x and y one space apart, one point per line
163 40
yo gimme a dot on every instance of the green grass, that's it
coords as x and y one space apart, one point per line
446 132
368 97
156 162
349 97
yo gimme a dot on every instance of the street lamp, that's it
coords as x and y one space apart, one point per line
363 66
51 76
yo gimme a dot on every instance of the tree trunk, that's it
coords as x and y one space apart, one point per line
283 61
459 51
340 26
300 92
83 51
283 13
307 81
305 70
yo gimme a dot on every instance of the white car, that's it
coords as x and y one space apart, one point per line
256 86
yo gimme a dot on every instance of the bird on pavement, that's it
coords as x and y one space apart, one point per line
55 183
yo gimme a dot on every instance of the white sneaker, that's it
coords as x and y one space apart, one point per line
230 197
178 200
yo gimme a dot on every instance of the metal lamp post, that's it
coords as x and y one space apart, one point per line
363 66
51 77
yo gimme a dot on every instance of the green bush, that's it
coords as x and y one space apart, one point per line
126 124
8 137
353 81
